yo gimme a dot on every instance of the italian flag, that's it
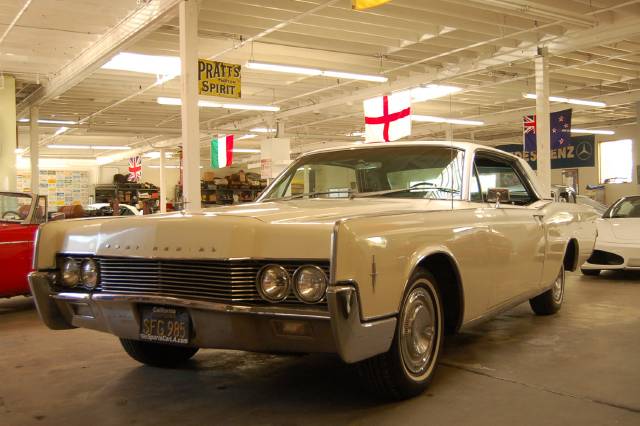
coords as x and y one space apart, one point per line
221 151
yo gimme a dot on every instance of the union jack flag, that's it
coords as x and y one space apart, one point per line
529 130
135 169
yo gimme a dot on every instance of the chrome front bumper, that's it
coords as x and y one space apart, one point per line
225 326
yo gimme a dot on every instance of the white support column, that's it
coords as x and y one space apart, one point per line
636 147
163 184
34 148
448 132
189 110
543 131
7 133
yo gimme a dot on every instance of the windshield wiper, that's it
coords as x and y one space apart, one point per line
312 194
429 187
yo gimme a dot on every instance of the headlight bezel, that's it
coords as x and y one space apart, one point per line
66 262
296 280
285 293
84 280
87 282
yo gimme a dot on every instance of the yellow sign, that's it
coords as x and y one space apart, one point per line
366 4
219 79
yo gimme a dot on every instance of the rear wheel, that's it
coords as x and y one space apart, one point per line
409 365
590 272
157 354
550 301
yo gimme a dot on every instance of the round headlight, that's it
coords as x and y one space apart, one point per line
310 283
70 272
274 283
89 273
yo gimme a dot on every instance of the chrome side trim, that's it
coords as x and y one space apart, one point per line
274 311
5 243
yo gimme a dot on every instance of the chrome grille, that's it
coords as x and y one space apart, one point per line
214 280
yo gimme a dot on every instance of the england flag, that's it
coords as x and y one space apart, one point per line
388 118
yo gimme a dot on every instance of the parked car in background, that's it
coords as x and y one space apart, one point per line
20 216
370 251
105 209
563 193
618 242
586 201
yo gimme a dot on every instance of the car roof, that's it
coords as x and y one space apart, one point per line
468 146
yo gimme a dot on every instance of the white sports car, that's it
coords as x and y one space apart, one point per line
618 241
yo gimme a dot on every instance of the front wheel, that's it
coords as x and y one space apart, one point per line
590 272
157 354
408 367
550 301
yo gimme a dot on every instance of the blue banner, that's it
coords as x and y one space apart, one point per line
577 151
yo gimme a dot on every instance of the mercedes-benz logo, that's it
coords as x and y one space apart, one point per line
584 151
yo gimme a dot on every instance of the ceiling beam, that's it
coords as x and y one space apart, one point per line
568 43
143 20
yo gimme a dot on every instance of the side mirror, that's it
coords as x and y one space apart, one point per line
498 195
56 216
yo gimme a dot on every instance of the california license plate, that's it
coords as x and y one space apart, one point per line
164 324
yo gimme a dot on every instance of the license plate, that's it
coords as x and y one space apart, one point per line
164 324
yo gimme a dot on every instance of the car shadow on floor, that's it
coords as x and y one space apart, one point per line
625 276
16 304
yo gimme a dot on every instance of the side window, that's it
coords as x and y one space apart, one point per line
494 172
475 192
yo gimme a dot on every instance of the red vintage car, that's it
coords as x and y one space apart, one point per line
20 216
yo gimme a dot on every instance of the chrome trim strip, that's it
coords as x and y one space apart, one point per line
287 312
5 243
71 297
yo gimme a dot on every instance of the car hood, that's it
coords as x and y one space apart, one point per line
297 229
325 210
619 229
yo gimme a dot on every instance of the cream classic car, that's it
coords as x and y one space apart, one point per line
372 252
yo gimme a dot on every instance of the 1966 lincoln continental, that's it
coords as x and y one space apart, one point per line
372 252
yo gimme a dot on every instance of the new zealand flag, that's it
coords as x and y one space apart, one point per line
560 123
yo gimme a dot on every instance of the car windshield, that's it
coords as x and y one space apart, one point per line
624 208
433 172
14 207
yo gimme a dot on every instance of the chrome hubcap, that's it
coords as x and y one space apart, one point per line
558 287
418 333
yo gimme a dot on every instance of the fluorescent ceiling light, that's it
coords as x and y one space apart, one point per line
147 64
210 104
98 147
60 131
156 154
245 150
166 167
291 69
58 146
568 101
432 119
432 91
26 120
355 76
262 130
114 147
593 131
247 136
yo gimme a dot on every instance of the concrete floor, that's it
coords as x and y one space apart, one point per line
580 367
